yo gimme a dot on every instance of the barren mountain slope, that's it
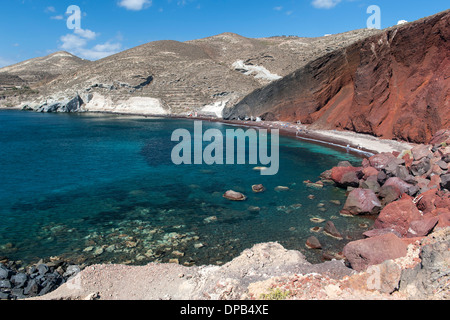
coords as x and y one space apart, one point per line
170 77
38 71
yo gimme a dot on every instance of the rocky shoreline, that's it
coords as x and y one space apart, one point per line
408 194
21 282
412 182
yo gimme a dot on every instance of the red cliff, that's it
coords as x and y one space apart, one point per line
393 85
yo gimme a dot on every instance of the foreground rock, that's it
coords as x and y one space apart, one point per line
364 253
38 280
422 272
173 281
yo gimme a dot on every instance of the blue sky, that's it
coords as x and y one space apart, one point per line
32 28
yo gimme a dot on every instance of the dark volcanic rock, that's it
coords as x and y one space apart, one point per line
445 181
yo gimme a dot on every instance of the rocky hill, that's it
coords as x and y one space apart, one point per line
170 77
393 85
39 71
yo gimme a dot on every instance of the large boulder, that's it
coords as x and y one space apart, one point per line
421 228
399 184
421 151
420 167
381 160
361 201
369 171
398 215
372 251
346 176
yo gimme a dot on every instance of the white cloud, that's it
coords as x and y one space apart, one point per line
100 51
400 22
278 8
135 5
57 17
325 4
86 33
72 42
77 44
50 9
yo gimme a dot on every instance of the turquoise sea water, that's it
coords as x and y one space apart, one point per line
102 188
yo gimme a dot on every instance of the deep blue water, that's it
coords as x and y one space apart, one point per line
102 188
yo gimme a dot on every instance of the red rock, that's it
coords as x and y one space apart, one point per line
420 151
437 212
365 163
421 228
378 232
398 215
444 220
408 160
427 201
361 201
381 160
345 176
369 171
409 241
440 137
399 184
392 85
435 182
443 200
372 251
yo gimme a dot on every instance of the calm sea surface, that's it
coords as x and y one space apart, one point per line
102 188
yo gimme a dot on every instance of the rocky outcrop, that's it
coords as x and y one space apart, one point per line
411 203
392 85
372 251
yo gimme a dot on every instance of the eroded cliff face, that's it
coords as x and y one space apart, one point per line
394 85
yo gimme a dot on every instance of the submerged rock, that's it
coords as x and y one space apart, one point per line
234 196
258 188
313 243
330 230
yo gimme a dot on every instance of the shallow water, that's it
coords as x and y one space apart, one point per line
102 188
